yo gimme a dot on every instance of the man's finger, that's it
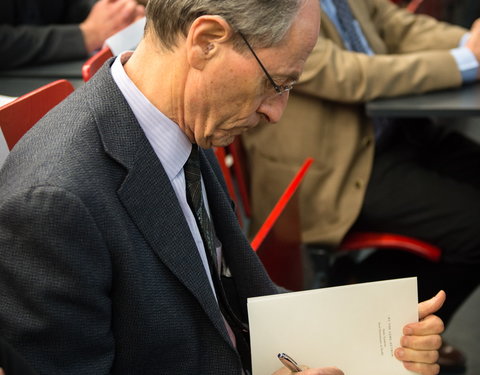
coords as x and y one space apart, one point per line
422 368
432 305
431 325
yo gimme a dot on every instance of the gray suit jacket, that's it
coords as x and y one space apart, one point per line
98 270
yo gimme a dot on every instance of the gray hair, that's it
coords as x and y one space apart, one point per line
263 22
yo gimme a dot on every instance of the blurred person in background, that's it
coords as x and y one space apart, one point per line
409 176
45 31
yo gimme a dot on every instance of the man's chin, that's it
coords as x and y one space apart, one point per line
222 141
225 142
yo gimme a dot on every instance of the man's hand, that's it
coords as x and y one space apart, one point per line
473 42
108 17
421 341
312 371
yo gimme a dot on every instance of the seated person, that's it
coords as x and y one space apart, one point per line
409 176
46 31
115 222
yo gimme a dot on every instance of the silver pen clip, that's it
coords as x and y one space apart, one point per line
289 362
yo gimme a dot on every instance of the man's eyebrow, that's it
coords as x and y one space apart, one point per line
294 77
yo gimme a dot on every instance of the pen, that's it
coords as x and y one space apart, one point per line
289 362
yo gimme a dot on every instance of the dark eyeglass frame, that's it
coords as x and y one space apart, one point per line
279 89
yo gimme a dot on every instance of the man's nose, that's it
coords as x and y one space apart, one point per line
272 108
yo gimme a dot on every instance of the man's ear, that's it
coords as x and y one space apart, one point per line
206 38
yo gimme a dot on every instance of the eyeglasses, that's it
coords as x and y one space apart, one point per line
279 89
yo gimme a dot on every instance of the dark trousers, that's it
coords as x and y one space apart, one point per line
425 183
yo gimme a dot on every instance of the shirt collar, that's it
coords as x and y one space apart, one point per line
170 144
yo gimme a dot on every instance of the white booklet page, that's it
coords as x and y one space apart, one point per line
126 39
354 327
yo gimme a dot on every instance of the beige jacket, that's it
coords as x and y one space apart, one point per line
325 117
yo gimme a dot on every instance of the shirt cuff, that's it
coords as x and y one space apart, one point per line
464 40
467 63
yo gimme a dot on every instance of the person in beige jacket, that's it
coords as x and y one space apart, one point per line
419 181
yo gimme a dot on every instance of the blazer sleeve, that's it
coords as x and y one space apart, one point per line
55 283
53 36
29 45
416 61
405 32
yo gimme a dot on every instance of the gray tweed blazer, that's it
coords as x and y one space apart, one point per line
99 273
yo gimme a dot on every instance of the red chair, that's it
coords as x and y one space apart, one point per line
18 116
365 240
413 5
95 62
278 241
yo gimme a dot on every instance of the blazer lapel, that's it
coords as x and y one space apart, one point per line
149 198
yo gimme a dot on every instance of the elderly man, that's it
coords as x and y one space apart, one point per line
120 251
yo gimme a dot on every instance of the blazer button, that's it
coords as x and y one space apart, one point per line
367 141
359 184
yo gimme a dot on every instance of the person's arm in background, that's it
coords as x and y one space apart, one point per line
472 43
106 18
418 59
61 41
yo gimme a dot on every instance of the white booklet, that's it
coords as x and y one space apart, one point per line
354 327
126 39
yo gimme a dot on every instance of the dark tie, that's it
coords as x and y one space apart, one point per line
193 182
383 126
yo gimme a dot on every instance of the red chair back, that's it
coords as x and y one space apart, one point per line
413 5
241 172
278 241
95 62
365 240
18 116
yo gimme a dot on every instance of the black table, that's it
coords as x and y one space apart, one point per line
459 102
67 69
16 82
13 86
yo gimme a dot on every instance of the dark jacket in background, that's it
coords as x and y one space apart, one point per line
41 31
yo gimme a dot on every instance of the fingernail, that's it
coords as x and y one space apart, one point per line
400 352
407 330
